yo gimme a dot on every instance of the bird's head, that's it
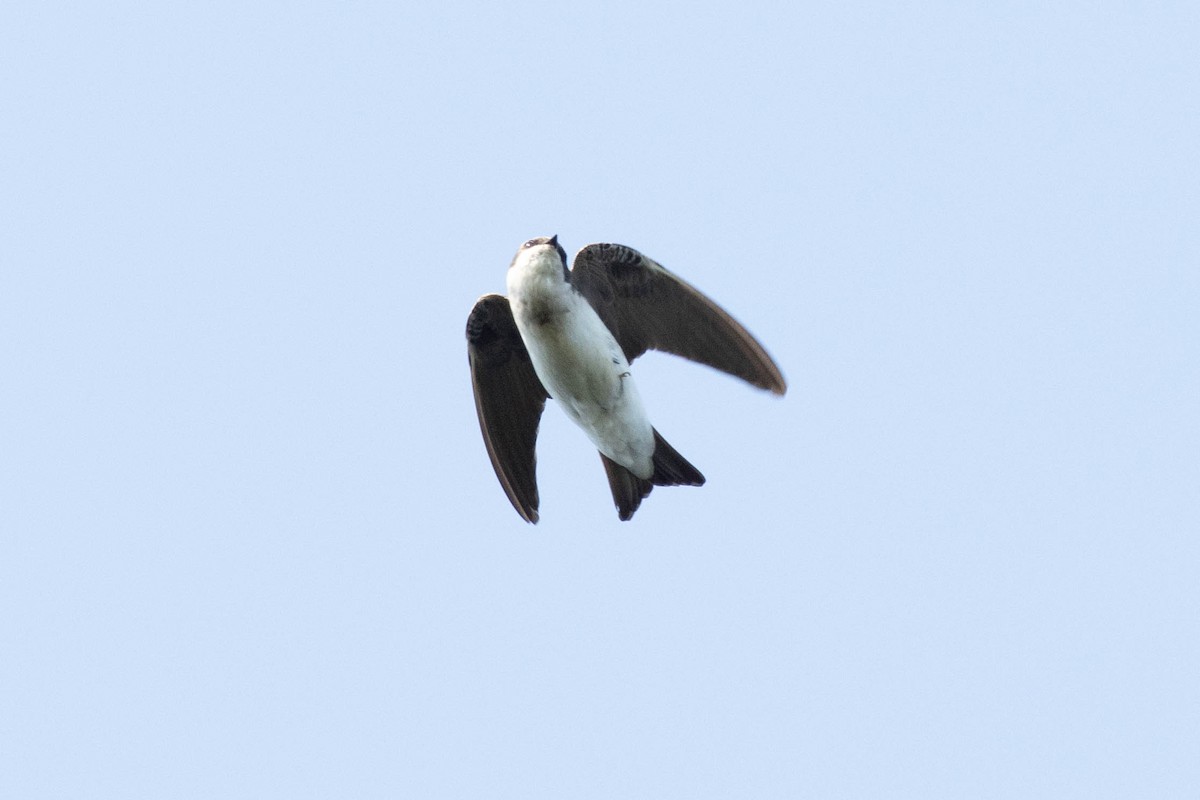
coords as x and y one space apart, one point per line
541 252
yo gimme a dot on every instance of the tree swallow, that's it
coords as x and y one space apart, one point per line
571 335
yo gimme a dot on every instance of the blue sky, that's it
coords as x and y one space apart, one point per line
252 545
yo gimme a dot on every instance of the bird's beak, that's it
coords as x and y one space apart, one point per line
553 241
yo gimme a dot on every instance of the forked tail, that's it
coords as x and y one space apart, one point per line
670 469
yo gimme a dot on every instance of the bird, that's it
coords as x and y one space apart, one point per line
570 335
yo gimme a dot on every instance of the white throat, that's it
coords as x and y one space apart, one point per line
537 288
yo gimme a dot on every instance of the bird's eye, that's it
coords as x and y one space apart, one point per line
530 243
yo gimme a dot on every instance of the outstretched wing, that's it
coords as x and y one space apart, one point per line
509 399
646 307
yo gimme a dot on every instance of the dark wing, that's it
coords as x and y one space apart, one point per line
648 308
509 399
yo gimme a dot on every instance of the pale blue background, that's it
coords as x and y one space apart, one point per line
252 544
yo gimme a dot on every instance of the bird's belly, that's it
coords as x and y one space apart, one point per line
583 368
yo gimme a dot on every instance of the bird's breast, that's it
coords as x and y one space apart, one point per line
573 352
584 369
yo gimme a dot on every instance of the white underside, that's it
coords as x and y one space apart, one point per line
580 363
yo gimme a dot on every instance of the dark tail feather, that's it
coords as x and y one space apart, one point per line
670 469
628 490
